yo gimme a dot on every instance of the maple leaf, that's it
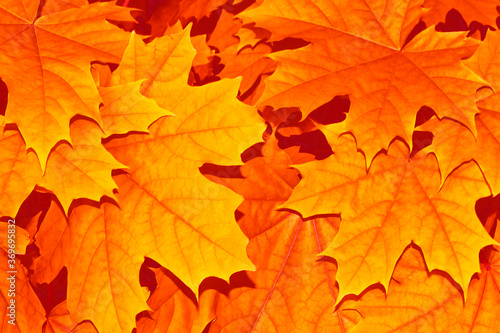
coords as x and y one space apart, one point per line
178 137
453 144
175 308
85 165
290 291
397 202
484 12
365 54
103 265
55 51
177 200
125 109
435 305
19 171
484 61
210 126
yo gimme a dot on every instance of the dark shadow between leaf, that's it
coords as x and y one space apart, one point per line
313 143
237 280
421 139
221 171
288 43
332 112
88 202
53 293
421 26
487 210
4 97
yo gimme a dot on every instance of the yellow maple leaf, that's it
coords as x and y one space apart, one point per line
19 171
84 165
125 109
453 144
210 126
46 66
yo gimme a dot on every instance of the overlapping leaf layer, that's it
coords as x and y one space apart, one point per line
250 166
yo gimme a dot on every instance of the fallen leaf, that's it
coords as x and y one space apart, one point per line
85 165
364 53
19 171
174 307
103 265
435 305
210 126
51 65
59 321
397 202
291 290
484 12
126 110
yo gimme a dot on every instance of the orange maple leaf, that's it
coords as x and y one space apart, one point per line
484 11
174 307
289 281
453 144
19 171
290 291
103 265
164 198
397 202
435 304
365 53
59 321
89 98
55 52
29 314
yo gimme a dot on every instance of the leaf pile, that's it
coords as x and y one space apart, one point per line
251 166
